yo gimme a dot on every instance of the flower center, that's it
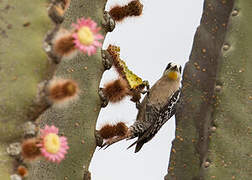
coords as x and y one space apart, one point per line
52 143
85 35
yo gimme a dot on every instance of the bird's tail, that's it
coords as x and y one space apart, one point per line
139 145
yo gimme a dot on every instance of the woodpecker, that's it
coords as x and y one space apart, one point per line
157 118
158 106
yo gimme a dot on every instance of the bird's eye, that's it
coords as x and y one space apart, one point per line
180 69
168 66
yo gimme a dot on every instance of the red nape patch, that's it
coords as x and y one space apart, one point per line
116 90
107 131
134 8
121 129
30 150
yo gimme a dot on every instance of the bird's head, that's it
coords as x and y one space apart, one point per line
173 71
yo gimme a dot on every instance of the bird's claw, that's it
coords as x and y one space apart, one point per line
147 85
138 105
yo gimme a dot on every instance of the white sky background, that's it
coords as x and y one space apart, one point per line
148 43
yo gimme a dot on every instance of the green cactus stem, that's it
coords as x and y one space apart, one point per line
23 65
76 121
213 124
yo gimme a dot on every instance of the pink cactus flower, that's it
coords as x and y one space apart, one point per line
86 36
53 147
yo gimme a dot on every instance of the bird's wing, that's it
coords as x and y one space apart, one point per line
168 110
158 120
